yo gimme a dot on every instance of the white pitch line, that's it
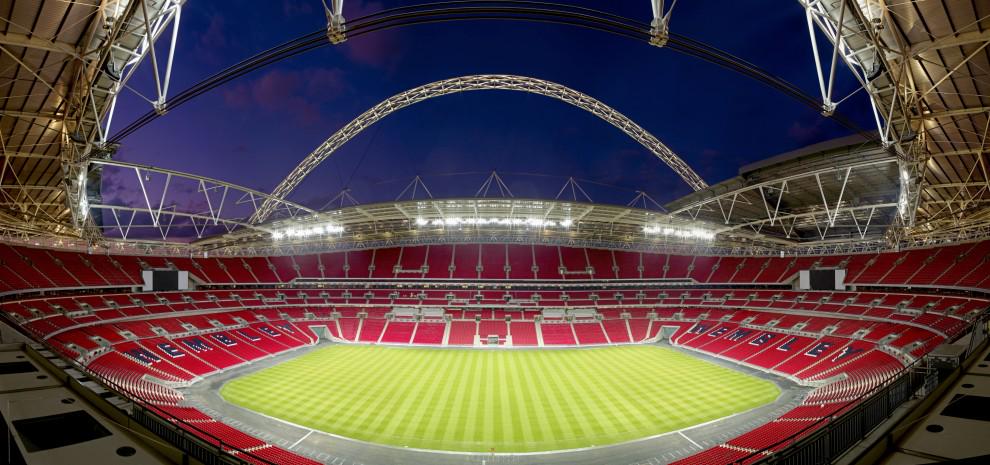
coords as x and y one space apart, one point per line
311 432
682 435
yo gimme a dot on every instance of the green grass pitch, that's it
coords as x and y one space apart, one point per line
497 400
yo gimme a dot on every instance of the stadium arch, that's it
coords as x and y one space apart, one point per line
475 83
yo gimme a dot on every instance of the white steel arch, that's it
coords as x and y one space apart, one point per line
472 83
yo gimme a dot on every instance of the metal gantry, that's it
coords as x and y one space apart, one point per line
475 83
336 28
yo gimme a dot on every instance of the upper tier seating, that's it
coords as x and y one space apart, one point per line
964 266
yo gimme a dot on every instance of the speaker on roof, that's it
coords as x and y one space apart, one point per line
875 72
111 70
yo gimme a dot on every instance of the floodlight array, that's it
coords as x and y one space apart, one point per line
83 195
303 232
686 233
473 221
902 200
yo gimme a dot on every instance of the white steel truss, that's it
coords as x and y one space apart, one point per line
475 83
123 40
860 40
660 25
853 28
176 205
781 207
336 25
923 73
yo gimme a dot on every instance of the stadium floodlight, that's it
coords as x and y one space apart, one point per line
475 221
687 233
902 200
83 206
83 195
306 232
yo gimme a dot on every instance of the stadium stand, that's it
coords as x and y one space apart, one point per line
959 267
845 343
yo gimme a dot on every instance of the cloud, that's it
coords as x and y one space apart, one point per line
210 46
380 49
296 93
122 188
297 8
806 133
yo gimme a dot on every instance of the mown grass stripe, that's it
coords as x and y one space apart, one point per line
502 400
539 423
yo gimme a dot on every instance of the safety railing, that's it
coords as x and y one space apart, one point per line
826 439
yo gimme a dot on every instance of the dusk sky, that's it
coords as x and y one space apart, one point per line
254 130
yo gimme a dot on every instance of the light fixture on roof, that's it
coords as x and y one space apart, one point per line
83 206
304 232
685 233
902 199
475 221
876 71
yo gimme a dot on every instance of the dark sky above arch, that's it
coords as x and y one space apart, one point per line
254 130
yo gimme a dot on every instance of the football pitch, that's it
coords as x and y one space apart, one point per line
497 400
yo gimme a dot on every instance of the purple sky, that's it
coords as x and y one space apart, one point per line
254 130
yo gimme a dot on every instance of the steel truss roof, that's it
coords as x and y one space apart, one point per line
834 197
395 223
925 66
63 65
825 193
178 207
